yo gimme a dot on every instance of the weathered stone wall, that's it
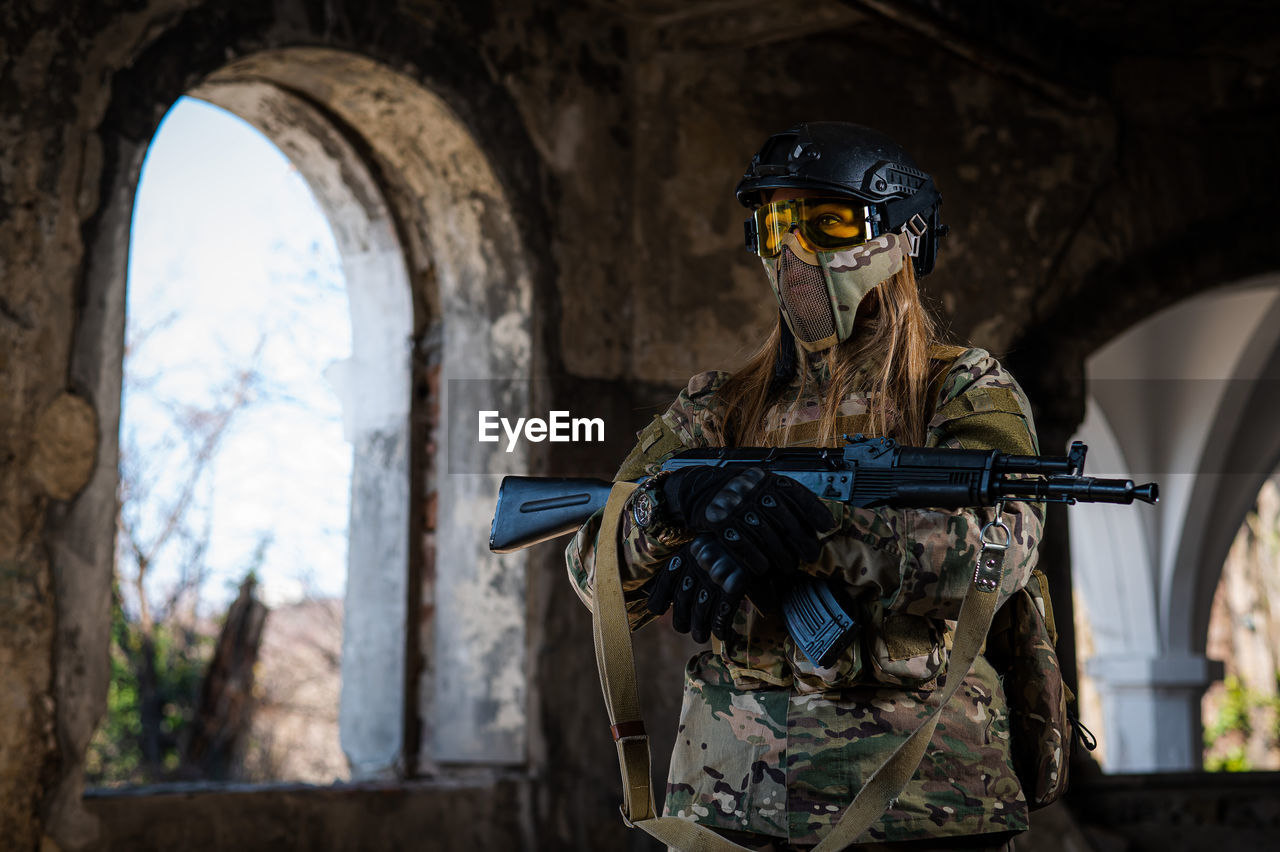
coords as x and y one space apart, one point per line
53 94
1085 189
459 814
1014 168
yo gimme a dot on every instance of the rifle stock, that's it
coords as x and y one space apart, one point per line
534 509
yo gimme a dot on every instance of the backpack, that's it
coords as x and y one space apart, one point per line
1021 648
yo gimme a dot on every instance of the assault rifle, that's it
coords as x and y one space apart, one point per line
866 472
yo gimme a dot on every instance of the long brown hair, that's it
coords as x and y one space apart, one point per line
893 334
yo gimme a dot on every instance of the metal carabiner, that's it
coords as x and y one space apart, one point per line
988 541
986 574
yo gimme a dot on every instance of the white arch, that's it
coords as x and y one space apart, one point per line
374 385
1176 398
473 320
1246 442
453 245
1117 548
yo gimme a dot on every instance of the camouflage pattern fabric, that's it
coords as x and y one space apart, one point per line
774 745
785 764
1021 646
847 276
889 249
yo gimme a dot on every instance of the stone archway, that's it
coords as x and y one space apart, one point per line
472 289
441 289
1181 397
374 384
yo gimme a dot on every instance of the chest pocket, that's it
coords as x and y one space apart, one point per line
907 650
806 434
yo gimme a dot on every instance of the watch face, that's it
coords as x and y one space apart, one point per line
642 510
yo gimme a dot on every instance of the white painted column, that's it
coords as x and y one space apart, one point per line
480 686
471 278
375 385
1151 707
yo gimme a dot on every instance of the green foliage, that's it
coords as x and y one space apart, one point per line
118 752
115 753
1232 760
1234 715
1226 736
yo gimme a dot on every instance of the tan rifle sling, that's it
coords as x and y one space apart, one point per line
618 682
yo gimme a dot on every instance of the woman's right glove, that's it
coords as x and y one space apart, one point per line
765 521
703 586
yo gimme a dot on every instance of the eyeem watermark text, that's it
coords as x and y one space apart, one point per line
559 427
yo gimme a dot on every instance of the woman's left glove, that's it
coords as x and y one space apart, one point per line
765 521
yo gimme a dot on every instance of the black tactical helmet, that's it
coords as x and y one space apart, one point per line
851 160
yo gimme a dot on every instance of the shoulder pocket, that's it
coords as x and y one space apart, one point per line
654 444
987 417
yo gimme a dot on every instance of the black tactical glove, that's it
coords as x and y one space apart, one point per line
765 521
691 584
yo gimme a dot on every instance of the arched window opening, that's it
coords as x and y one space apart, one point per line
438 291
234 472
1186 398
1242 712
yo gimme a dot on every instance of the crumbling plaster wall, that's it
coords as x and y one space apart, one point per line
90 89
619 131
53 94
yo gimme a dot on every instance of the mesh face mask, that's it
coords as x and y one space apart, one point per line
805 298
819 292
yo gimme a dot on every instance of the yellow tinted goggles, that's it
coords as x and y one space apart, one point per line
825 224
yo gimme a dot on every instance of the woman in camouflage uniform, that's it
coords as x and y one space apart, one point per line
771 747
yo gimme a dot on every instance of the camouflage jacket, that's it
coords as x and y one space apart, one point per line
773 745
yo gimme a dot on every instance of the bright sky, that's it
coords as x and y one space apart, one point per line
230 255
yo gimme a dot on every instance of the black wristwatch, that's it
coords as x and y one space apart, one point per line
648 511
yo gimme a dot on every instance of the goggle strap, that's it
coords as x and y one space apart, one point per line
753 236
900 211
913 236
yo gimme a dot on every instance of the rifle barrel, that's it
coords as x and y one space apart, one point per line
1082 489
